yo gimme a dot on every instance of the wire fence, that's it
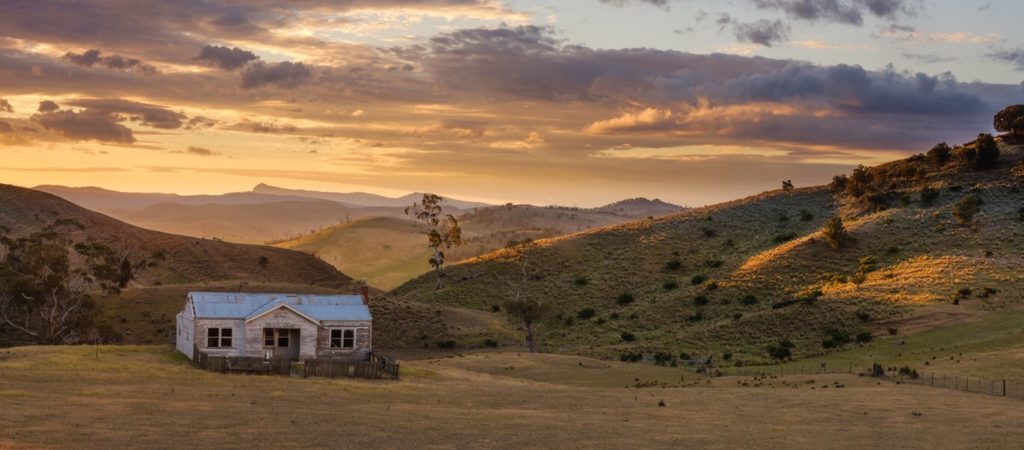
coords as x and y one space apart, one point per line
1002 387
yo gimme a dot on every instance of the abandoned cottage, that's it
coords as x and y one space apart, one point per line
299 327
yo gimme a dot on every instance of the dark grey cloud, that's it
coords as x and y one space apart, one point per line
840 11
284 74
261 127
5 106
225 57
200 151
889 108
765 32
46 106
90 58
85 125
663 4
1014 56
144 113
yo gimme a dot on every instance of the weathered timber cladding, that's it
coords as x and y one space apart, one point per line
282 318
237 336
363 344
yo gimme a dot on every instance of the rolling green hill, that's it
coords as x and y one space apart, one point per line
740 277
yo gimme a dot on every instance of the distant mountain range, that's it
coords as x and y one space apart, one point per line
362 198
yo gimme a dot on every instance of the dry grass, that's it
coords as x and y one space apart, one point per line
146 397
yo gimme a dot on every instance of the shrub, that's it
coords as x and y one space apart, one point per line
698 279
625 298
709 232
966 208
787 185
864 337
627 336
987 151
1020 214
581 281
726 356
859 182
940 154
662 358
748 300
495 308
784 237
586 313
838 183
867 264
1010 120
711 285
836 339
700 300
714 263
684 356
863 316
670 285
835 232
781 351
928 196
447 343
630 357
893 331
806 215
490 343
674 264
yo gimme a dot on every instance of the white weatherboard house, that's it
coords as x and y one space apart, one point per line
299 327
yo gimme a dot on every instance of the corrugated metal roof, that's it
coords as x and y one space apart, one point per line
234 305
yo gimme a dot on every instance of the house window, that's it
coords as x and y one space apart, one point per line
343 338
218 337
275 337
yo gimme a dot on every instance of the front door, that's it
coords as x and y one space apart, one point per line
282 342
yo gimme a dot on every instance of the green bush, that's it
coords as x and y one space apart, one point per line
784 237
627 336
928 196
670 285
700 300
586 313
806 215
836 339
966 208
581 281
748 300
864 337
447 343
674 264
1010 120
490 343
940 154
835 232
698 279
625 298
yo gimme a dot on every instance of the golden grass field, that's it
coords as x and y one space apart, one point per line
148 396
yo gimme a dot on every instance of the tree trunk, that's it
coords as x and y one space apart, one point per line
531 340
438 270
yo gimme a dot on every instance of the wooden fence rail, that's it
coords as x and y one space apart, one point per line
376 367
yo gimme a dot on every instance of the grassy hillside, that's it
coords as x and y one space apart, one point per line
388 251
739 277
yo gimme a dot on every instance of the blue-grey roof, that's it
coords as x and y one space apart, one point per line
234 305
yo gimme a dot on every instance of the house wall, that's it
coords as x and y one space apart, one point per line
185 339
364 340
238 336
281 318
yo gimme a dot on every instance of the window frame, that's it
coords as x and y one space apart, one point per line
219 337
276 336
341 338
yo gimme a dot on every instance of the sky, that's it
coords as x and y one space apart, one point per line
575 102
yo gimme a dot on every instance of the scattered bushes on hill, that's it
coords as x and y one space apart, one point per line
835 339
859 182
966 208
838 183
835 232
627 336
928 196
625 298
982 153
784 237
787 185
939 154
781 351
1010 120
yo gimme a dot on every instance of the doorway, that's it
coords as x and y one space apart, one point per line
282 342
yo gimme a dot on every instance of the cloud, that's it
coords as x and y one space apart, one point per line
46 106
839 11
92 57
284 74
146 114
910 34
201 151
87 125
764 32
358 113
5 106
1014 56
663 4
649 119
224 57
262 127
927 58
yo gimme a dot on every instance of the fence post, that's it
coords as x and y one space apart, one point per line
1004 387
